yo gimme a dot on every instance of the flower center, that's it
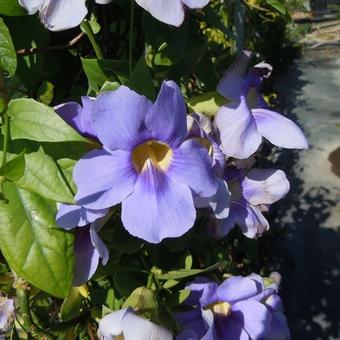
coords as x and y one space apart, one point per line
220 308
159 154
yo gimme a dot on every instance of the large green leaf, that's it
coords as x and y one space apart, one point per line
43 177
100 71
141 80
34 246
14 169
278 5
187 63
11 8
183 273
8 56
36 121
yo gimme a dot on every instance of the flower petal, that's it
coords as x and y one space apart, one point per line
264 186
223 226
70 112
237 129
119 118
32 6
230 328
135 327
251 221
168 11
167 119
158 207
191 320
70 216
219 203
203 293
191 165
97 241
279 329
86 257
62 14
233 85
195 3
187 334
279 130
237 288
103 2
254 316
111 325
104 179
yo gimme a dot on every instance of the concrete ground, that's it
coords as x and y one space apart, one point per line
308 251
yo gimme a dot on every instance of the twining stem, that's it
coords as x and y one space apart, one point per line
23 298
5 99
89 32
6 139
132 14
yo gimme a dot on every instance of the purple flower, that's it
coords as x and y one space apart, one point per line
226 311
145 163
7 314
79 117
125 324
57 15
243 122
259 187
201 130
88 248
170 12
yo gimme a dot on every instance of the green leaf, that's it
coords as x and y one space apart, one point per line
8 56
11 8
187 63
212 19
144 300
183 273
42 176
46 92
141 80
36 121
109 86
207 103
100 71
14 169
175 298
34 246
71 307
278 5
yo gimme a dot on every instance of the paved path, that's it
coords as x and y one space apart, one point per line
308 253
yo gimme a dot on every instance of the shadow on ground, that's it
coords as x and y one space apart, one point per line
304 242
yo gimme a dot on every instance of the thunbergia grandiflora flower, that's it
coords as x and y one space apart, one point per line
170 12
57 15
146 163
246 119
238 308
7 311
79 116
125 324
250 193
88 247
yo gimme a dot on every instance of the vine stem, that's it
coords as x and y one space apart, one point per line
23 297
132 14
5 98
89 32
